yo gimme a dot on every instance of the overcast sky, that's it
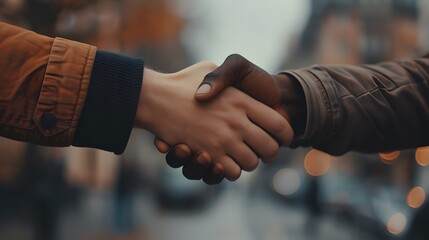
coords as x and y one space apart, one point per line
259 30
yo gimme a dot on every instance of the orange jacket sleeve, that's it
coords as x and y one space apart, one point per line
43 86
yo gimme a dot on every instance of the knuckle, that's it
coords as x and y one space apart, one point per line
217 135
190 174
227 135
174 162
237 100
235 124
237 60
222 140
212 182
209 64
187 176
192 177
216 145
234 99
235 57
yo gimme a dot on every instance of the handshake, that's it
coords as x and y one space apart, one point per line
218 127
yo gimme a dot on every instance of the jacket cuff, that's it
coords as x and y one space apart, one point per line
110 107
323 109
63 92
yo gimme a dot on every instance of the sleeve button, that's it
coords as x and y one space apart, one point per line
48 121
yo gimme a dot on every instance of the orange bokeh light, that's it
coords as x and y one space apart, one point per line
416 197
422 156
390 156
317 163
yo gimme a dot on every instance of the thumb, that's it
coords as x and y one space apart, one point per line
231 73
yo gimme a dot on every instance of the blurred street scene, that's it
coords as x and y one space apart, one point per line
70 193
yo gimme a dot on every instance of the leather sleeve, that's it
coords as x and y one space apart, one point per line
366 108
43 85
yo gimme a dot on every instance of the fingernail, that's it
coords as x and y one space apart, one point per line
180 153
217 170
202 160
204 89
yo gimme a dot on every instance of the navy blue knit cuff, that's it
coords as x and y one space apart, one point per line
109 112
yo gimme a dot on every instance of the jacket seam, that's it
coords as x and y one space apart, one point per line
375 89
74 118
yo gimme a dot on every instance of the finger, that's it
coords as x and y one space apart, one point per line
178 156
269 120
260 141
197 167
162 146
243 156
215 176
230 73
231 169
204 158
268 159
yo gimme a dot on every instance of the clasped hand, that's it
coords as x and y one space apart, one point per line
217 131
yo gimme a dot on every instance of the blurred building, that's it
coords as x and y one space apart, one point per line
357 31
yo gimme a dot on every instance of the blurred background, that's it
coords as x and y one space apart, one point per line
69 193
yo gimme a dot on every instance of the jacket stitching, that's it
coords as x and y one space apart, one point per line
80 92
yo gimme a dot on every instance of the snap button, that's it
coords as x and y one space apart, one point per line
48 121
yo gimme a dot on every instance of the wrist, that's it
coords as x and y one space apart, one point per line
148 102
294 103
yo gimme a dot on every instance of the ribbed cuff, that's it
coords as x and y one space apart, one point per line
111 103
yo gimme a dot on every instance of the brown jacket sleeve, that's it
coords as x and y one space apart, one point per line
367 108
43 86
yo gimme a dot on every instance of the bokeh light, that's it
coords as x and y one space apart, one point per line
396 223
416 197
422 156
389 156
317 163
286 181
